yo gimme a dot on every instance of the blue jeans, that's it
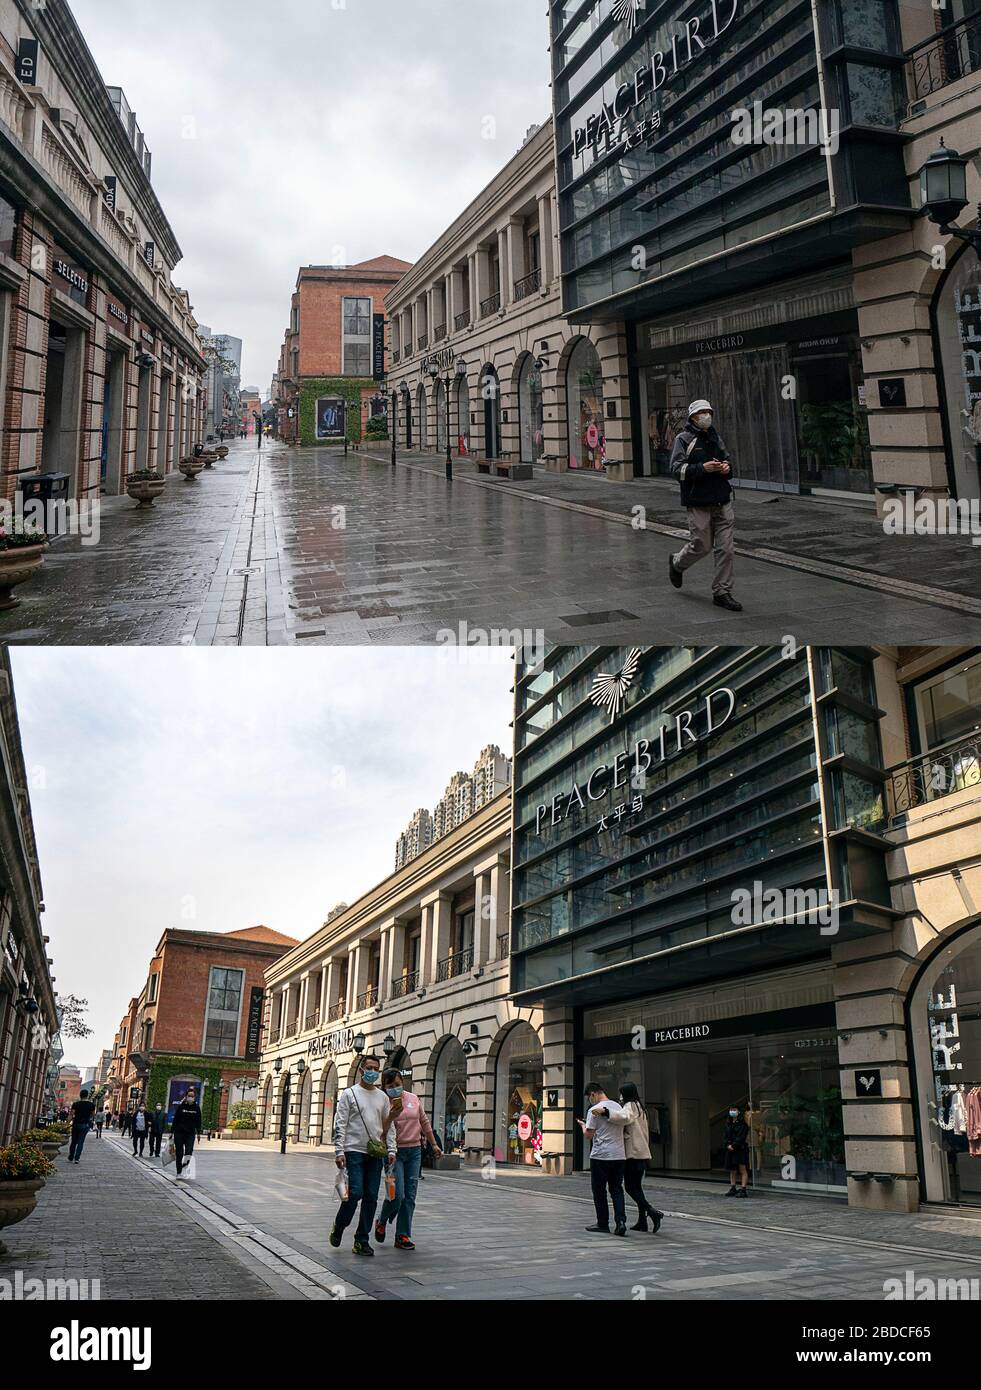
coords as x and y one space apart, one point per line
77 1143
407 1167
363 1178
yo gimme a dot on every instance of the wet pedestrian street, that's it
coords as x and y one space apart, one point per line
307 545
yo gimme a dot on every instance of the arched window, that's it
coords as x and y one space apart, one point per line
519 1081
584 399
490 389
450 1096
442 424
422 415
407 415
302 1135
957 326
328 1102
531 410
463 414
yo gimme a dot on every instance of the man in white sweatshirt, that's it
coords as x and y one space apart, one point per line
363 1144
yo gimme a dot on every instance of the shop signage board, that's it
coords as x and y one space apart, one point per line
331 418
868 1082
378 347
892 392
330 1044
443 361
27 56
253 1035
110 192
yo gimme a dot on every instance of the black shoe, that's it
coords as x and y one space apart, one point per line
728 602
656 1218
742 1192
380 1232
674 573
733 1192
621 1228
640 1225
603 1230
361 1247
334 1237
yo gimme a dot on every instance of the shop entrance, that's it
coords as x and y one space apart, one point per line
112 423
63 402
518 1086
163 427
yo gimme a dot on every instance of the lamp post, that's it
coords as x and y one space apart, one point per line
220 1090
943 194
393 425
359 1044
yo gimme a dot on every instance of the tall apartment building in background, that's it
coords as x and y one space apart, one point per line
224 380
465 794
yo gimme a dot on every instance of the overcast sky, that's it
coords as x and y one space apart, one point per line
312 132
215 790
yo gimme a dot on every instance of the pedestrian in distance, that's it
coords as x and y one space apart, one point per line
637 1148
186 1127
125 1121
411 1125
141 1129
158 1123
607 1158
736 1141
81 1113
365 1146
100 1119
701 463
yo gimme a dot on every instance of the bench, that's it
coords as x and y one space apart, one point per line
505 468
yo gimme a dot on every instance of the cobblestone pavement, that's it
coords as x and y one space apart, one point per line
522 1237
292 546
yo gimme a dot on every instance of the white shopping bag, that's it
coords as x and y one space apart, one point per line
341 1185
189 1170
167 1154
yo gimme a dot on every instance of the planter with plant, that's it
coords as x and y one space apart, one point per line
144 485
21 554
48 1142
23 1168
222 452
191 467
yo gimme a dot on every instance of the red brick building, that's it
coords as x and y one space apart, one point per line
197 1020
329 364
69 1086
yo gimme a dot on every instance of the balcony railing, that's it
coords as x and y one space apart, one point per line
424 342
404 985
490 306
396 358
290 1030
503 946
312 1019
953 52
455 965
336 1011
953 767
462 320
274 1035
368 998
440 333
530 283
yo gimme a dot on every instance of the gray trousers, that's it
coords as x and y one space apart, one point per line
711 528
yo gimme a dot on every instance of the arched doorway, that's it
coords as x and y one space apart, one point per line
531 410
584 402
401 1059
490 389
302 1135
450 1096
393 424
956 316
518 1088
407 413
462 414
267 1108
328 1103
442 423
422 414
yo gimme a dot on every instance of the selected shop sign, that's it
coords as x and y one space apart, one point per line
253 1035
340 1040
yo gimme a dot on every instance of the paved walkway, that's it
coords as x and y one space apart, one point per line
292 546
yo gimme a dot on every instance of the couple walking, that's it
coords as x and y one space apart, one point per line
379 1129
620 1151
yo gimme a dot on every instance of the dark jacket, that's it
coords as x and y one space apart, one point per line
158 1121
692 450
187 1118
82 1112
736 1134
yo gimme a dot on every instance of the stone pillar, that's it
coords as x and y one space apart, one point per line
558 1122
492 907
482 289
611 345
545 239
430 314
517 260
472 286
503 258
355 959
454 289
439 905
331 973
393 933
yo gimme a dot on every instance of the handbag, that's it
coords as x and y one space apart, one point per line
169 1154
377 1148
189 1170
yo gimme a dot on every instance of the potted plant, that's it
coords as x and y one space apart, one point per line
243 1122
222 451
191 467
144 485
48 1143
21 553
23 1168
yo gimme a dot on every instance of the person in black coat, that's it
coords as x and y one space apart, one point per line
141 1130
158 1123
186 1127
701 463
736 1142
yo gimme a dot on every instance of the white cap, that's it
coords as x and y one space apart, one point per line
697 407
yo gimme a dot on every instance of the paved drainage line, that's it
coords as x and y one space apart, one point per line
845 574
248 558
794 1231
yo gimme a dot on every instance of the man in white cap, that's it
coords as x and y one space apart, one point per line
701 463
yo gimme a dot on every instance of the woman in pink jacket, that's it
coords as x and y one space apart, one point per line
411 1126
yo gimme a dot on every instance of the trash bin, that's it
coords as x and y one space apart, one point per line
45 488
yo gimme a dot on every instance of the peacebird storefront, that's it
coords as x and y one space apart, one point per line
718 163
693 833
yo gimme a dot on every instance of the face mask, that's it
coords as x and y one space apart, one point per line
703 421
371 1077
393 1091
733 1114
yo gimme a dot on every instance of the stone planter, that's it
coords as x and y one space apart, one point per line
241 1134
209 457
16 566
191 468
222 452
145 490
17 1200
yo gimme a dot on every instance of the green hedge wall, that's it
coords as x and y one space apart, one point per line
164 1068
349 389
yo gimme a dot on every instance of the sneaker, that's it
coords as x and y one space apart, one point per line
728 602
361 1247
674 573
603 1230
334 1237
404 1243
621 1228
380 1232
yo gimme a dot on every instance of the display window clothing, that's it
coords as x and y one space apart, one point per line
693 449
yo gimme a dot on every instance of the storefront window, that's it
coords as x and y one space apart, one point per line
422 415
946 1025
948 706
463 415
442 424
450 1105
519 1098
958 325
531 404
584 385
8 227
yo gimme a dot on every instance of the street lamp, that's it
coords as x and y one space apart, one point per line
359 1043
393 424
389 1045
943 193
285 1113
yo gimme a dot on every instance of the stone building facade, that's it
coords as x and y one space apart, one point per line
101 365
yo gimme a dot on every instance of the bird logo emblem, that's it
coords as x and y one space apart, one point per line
610 691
